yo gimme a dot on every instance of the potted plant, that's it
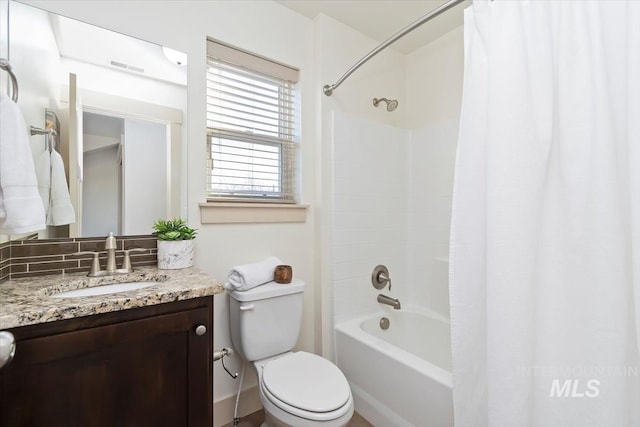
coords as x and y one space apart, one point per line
175 243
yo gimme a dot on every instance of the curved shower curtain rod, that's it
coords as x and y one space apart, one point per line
328 89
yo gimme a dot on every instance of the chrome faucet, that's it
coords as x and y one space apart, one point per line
110 246
393 302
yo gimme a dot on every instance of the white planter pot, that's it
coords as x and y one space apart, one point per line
175 254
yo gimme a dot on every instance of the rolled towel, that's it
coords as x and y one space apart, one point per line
248 276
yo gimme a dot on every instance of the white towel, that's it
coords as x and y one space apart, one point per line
60 210
43 173
248 276
21 209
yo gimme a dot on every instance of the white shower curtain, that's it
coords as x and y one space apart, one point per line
545 240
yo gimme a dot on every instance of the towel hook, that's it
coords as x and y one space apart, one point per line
6 66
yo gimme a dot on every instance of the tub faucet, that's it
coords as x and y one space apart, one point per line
393 302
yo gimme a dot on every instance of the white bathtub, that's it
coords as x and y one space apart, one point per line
400 376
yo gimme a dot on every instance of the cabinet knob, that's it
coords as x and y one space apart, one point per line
201 330
7 347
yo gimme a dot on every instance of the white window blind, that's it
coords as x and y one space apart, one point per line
251 127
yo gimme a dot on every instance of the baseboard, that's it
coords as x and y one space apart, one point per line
223 409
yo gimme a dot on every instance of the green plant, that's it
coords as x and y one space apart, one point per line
173 229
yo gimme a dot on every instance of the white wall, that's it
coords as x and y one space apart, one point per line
411 167
431 165
268 29
369 212
434 80
337 47
434 74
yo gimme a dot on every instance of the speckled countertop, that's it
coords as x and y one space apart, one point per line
28 301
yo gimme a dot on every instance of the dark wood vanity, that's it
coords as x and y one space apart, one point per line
149 366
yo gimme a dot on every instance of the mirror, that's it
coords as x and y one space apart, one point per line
121 104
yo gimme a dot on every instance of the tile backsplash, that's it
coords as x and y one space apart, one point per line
5 260
27 258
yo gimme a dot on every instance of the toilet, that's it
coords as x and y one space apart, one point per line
297 389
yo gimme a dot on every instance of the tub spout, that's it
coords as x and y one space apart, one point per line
393 302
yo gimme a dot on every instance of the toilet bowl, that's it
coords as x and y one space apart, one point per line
297 389
303 390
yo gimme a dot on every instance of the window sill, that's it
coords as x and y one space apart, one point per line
246 213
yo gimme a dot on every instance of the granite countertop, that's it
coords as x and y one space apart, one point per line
28 301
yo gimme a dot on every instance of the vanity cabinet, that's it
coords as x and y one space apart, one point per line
148 366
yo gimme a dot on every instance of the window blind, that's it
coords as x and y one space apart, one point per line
251 127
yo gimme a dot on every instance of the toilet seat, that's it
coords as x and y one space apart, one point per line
307 386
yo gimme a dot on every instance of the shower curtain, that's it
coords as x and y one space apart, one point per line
545 238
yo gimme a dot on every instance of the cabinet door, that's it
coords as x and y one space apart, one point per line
148 372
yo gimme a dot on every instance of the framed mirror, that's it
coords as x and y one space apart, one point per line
121 103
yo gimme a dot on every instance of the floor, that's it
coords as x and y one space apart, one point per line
255 419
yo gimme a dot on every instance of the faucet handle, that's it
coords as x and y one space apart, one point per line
384 278
380 277
126 263
95 263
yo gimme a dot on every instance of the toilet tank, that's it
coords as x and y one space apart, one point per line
265 321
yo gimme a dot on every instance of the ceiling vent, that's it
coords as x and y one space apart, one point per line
127 66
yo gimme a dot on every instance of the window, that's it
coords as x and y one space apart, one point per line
251 127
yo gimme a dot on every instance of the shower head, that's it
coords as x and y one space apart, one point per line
392 104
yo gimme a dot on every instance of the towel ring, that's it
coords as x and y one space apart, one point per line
6 66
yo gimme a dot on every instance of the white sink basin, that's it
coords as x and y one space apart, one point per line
104 289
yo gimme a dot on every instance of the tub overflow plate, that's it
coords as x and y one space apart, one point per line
384 323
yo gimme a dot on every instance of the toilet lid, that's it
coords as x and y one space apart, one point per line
306 381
